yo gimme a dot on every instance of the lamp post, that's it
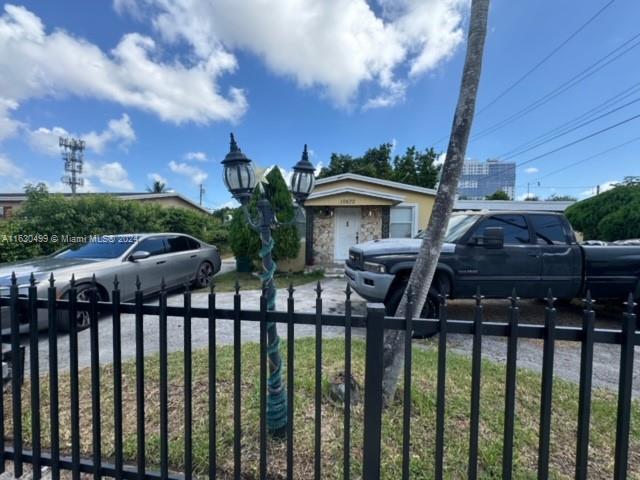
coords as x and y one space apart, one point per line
239 177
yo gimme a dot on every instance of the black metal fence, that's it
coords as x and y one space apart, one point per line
24 308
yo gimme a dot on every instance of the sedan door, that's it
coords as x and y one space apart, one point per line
497 271
184 258
152 269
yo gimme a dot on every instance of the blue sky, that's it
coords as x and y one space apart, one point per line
155 86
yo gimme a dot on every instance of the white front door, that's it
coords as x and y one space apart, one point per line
346 231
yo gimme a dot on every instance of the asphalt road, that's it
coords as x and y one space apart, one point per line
567 357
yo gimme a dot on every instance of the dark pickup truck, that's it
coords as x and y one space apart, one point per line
498 251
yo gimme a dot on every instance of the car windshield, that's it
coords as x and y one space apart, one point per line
458 226
103 247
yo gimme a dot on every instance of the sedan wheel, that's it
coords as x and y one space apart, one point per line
82 317
204 275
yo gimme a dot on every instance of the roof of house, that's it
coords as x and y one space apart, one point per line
355 191
21 197
511 205
375 181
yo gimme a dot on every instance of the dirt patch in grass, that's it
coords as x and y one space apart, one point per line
564 420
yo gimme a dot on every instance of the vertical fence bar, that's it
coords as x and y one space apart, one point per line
117 379
440 391
510 388
164 383
141 466
2 430
52 315
16 377
373 392
73 381
290 381
406 414
624 392
347 384
476 363
188 438
318 385
546 394
584 406
212 381
35 378
237 365
95 379
263 385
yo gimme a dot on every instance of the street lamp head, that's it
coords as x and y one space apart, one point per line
239 176
303 178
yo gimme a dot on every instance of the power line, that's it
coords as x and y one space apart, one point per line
618 97
572 82
547 57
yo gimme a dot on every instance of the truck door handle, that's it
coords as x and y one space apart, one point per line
161 262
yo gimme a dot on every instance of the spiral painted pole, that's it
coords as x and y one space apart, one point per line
276 391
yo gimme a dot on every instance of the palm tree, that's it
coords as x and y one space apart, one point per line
157 187
425 266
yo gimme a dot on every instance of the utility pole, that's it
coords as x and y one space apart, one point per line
201 193
72 151
597 189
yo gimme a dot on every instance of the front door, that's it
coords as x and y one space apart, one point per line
346 232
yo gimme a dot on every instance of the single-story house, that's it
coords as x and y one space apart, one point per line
10 202
347 209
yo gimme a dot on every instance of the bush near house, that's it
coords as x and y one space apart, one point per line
245 242
51 214
612 215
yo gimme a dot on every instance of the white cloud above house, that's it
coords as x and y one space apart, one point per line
531 170
9 169
196 156
112 175
335 46
194 174
36 63
119 131
608 185
156 177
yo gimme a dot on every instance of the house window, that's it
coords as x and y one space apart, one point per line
5 212
401 222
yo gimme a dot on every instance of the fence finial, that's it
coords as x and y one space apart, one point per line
631 304
588 301
442 298
290 290
163 284
514 298
319 289
237 286
72 282
212 287
347 291
138 283
550 299
52 280
93 280
32 280
116 282
14 279
478 297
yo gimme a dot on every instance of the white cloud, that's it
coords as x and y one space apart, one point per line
119 131
196 156
9 169
111 175
156 177
603 188
525 196
230 204
337 46
35 64
531 170
440 159
8 125
195 174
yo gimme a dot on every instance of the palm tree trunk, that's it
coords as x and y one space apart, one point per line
424 269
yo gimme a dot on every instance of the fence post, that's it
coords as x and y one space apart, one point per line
373 391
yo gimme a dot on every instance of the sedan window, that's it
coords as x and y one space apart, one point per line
178 244
109 247
153 245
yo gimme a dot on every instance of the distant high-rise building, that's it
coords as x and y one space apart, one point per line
481 179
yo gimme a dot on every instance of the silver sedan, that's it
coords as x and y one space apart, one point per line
178 258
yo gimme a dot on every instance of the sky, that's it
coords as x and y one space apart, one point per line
155 87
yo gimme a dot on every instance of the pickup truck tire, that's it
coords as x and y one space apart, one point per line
431 307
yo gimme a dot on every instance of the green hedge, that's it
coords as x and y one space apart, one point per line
53 214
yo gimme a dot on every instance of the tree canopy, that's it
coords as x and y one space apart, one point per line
499 195
612 215
414 167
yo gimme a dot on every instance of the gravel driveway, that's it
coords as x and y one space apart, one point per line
567 357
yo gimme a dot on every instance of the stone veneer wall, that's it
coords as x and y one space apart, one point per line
370 224
323 236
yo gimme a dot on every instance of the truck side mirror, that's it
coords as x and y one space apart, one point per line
493 237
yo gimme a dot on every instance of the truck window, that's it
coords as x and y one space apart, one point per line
515 228
549 230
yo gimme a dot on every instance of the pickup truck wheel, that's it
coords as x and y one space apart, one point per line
431 307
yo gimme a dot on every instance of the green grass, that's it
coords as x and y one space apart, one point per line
225 282
564 418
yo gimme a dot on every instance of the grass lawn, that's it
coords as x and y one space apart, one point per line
603 418
225 282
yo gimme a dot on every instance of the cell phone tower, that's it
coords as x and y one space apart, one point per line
72 151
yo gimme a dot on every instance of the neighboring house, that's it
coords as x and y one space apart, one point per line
481 179
10 202
503 205
346 209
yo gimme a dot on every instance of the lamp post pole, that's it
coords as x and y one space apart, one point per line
240 180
